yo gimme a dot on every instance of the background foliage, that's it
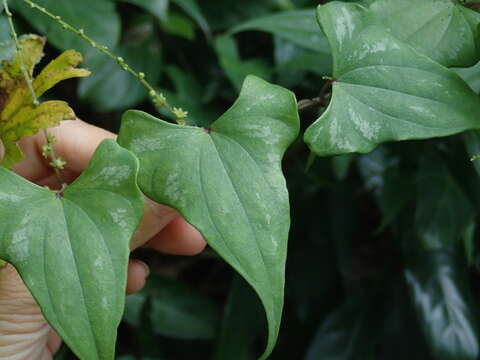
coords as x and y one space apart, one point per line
382 263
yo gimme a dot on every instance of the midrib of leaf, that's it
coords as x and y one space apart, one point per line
247 217
227 138
245 212
205 199
252 230
80 282
44 269
15 112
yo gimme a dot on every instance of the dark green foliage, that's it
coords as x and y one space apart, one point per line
383 253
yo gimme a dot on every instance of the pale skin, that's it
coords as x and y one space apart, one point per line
24 333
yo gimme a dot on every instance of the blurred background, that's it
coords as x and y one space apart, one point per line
357 285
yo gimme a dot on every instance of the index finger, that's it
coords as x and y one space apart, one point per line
76 141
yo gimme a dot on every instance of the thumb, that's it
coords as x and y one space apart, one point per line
2 151
23 329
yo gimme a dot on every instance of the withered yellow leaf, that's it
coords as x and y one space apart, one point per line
18 116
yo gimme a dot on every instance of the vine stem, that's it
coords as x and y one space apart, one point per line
317 101
35 102
157 99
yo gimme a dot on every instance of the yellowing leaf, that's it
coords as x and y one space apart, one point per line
18 116
62 68
27 122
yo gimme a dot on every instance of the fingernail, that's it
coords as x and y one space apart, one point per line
146 268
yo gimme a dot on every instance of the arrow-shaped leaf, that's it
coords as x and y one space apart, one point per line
227 182
72 251
384 90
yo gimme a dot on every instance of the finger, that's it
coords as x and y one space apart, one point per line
53 342
138 272
23 330
76 143
52 181
178 238
155 218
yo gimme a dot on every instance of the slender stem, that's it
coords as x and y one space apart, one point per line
157 99
29 83
53 156
317 101
25 73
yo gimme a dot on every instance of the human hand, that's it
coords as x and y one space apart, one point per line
24 333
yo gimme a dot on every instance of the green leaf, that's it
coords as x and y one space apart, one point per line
111 88
443 211
400 319
341 166
189 94
202 174
72 250
233 12
134 305
179 311
472 143
179 25
469 243
292 62
346 333
97 18
243 313
159 8
445 31
471 76
440 289
193 10
7 51
392 186
298 26
4 29
235 68
383 90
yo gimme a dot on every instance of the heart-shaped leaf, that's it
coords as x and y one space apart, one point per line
384 90
72 250
227 182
